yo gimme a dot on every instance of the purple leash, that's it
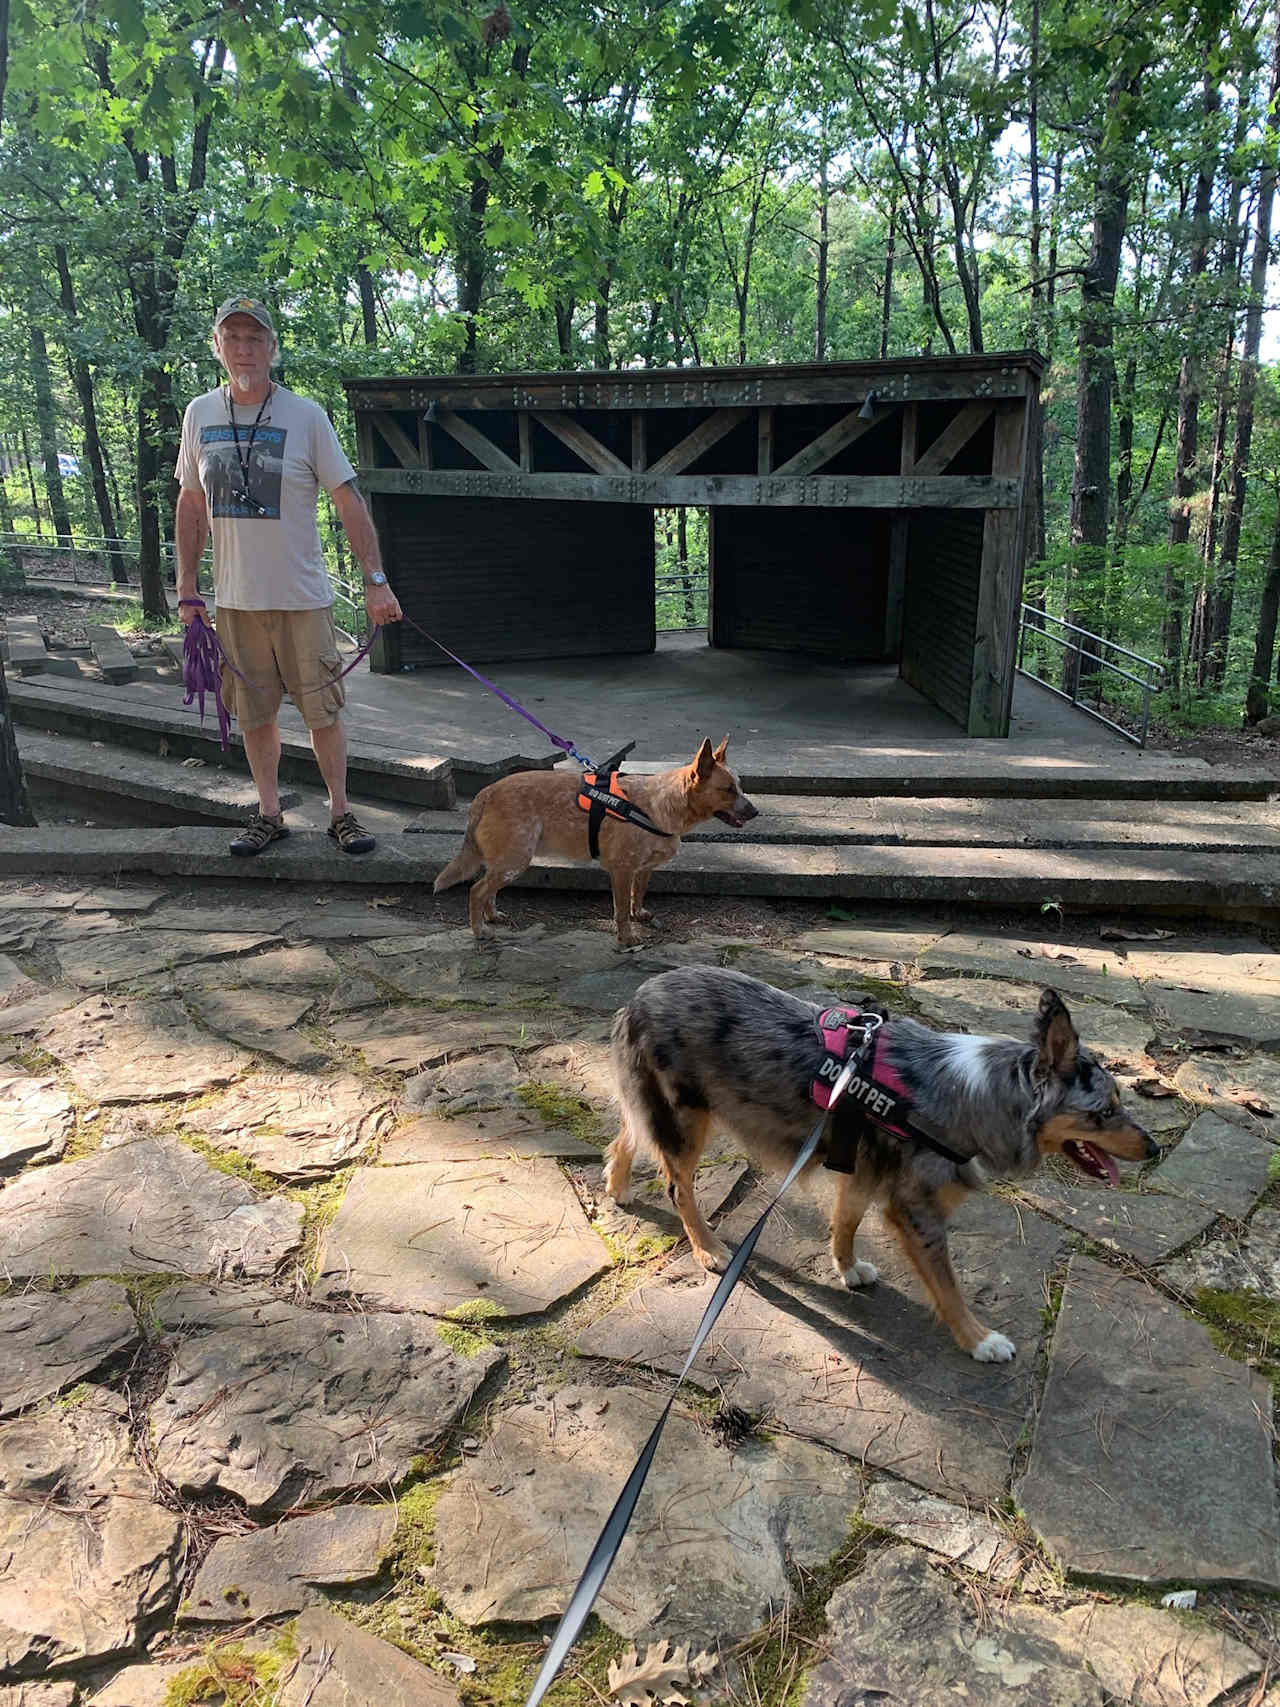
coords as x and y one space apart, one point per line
202 661
203 657
555 740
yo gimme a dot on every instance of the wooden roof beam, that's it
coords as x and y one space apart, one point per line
953 438
479 444
703 436
820 451
398 442
582 443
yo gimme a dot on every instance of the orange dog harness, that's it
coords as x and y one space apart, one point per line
600 803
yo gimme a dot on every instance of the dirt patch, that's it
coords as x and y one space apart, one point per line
64 618
1234 747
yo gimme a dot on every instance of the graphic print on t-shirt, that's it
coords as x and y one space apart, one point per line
224 481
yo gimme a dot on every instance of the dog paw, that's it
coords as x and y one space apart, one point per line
994 1348
643 916
859 1273
617 1186
715 1258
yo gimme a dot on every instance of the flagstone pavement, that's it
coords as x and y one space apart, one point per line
327 1356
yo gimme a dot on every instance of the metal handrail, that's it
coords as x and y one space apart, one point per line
1073 641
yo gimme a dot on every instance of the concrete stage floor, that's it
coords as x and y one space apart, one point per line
784 714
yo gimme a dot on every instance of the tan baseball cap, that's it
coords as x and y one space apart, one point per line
245 305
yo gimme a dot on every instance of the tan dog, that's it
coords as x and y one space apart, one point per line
533 812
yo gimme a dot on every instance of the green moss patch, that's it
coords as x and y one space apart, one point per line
1245 1326
564 1112
231 1676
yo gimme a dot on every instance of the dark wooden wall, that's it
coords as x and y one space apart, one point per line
499 578
800 580
940 607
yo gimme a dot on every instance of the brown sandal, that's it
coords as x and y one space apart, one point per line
351 836
259 833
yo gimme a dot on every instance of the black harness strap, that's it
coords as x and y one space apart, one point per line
876 1089
600 803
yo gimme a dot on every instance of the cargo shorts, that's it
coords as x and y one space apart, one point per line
277 651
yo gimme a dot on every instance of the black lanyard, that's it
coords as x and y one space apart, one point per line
244 495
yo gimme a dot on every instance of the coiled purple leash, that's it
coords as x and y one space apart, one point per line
202 661
203 657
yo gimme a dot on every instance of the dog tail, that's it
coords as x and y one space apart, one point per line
468 861
647 1114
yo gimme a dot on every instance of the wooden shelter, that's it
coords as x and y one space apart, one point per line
858 510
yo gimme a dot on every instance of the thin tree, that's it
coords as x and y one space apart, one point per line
15 805
1186 477
1238 478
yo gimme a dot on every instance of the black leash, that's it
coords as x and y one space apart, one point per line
606 1548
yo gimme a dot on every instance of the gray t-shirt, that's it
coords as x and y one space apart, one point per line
267 559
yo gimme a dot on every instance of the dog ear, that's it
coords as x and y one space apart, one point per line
704 760
1056 1035
721 750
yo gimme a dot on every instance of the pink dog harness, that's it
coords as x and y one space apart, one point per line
877 1088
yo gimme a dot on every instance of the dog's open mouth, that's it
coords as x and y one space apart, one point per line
737 819
1092 1161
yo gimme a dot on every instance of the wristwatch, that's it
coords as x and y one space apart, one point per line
377 579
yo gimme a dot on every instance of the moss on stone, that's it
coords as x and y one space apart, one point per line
557 1108
639 1248
231 1676
229 1161
1245 1326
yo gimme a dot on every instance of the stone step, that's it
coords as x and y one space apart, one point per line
803 821
110 653
26 648
201 792
93 710
1101 878
386 763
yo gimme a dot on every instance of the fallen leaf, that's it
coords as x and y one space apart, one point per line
1154 1088
459 1662
1131 933
1255 1105
192 764
385 900
659 1676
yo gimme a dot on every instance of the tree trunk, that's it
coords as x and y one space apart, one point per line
600 332
82 379
368 306
564 330
471 270
149 480
886 288
1096 370
47 425
1051 283
820 331
15 807
1257 700
1230 271
31 479
1186 473
1248 385
4 52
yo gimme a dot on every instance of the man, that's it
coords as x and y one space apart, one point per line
252 462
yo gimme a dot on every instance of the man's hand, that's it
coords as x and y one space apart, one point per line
187 614
382 605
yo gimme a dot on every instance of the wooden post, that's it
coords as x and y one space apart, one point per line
639 441
899 536
1000 583
764 442
524 437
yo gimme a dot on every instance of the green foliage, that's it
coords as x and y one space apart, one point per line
430 188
